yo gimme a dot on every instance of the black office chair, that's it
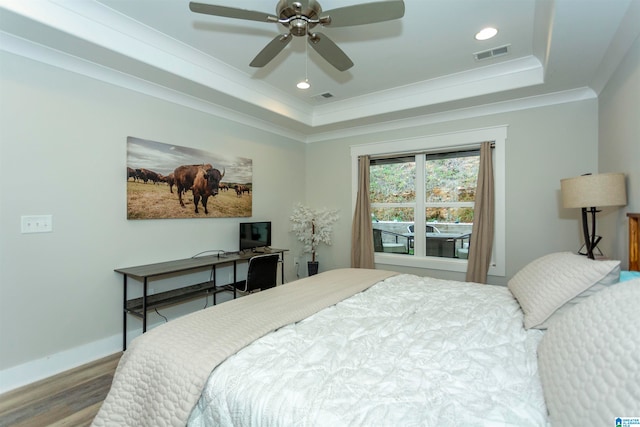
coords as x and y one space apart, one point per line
262 274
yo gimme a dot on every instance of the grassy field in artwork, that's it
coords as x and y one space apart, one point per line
153 201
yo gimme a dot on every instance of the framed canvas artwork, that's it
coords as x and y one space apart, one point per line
172 181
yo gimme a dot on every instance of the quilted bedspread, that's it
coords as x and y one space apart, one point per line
161 375
409 351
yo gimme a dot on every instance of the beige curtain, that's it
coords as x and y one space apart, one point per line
361 229
481 243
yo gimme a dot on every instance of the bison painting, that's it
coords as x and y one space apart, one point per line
197 176
202 180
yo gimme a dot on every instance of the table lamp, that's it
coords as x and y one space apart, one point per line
589 192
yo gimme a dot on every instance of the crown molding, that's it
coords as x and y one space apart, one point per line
64 61
95 23
500 77
36 52
253 103
574 95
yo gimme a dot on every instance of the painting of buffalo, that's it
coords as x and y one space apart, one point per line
200 180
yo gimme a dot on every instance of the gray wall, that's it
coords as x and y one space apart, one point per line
63 152
619 149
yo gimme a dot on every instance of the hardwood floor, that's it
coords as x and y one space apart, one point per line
71 398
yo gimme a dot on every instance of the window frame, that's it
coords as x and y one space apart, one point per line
454 141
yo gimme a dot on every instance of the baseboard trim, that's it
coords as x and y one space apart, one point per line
39 369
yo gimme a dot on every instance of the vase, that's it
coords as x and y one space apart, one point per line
312 267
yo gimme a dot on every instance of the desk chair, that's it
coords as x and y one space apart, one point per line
262 274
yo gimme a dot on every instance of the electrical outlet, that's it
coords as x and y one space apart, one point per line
36 223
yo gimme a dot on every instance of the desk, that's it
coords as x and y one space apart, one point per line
138 306
439 240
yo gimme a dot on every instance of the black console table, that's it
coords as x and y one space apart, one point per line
139 306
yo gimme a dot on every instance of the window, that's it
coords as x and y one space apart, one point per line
392 192
422 195
448 186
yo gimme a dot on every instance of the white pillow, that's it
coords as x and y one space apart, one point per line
589 360
548 283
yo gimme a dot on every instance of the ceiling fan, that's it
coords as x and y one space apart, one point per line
301 16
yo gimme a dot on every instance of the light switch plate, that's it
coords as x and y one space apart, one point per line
37 223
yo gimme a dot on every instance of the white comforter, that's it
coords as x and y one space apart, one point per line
408 351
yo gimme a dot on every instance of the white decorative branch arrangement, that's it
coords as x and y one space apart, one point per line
313 226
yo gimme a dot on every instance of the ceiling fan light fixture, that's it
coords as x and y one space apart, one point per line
486 33
304 84
301 16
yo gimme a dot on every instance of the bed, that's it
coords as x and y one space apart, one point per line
558 346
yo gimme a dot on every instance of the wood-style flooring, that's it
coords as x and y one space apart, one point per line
71 398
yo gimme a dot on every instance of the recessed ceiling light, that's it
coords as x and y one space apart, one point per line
486 33
304 84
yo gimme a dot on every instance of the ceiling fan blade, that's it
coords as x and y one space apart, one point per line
366 13
270 51
330 51
232 12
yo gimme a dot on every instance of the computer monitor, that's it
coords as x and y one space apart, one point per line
255 235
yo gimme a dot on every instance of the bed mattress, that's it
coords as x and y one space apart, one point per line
408 351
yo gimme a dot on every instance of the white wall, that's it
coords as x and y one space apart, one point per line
619 149
544 145
63 152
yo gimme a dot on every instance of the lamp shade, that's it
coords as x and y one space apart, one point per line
605 189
